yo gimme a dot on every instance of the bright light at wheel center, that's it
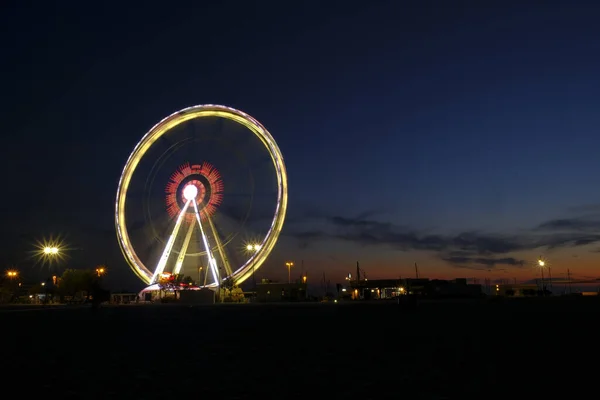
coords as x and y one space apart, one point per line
190 192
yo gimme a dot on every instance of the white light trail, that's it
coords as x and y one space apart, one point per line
160 267
186 243
220 248
211 260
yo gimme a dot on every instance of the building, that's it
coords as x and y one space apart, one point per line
123 298
269 291
456 288
391 288
517 290
375 289
202 296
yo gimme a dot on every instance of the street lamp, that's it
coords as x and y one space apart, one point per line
252 247
289 266
101 270
12 274
542 264
51 250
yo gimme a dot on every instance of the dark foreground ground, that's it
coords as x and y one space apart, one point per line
460 349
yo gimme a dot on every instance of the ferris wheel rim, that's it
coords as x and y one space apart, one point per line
161 128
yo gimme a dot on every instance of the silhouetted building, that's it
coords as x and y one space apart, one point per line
376 289
391 288
268 291
123 298
202 296
517 290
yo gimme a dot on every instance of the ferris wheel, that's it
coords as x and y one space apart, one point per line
205 190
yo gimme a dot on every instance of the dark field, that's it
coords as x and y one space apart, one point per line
459 349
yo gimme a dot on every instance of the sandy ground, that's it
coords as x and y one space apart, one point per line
456 349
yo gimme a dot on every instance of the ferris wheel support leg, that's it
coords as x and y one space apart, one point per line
184 247
219 247
160 267
211 260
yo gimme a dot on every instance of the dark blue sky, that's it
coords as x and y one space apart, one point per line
451 135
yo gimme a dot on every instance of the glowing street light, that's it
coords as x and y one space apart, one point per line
252 247
51 250
289 266
542 265
199 272
12 274
101 270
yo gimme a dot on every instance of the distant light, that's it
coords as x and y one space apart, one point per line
253 247
190 192
51 250
541 263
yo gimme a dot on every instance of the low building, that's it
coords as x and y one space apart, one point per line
376 289
517 290
123 298
391 288
193 297
269 291
456 288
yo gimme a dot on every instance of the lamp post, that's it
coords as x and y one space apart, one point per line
100 271
253 248
289 266
51 252
542 264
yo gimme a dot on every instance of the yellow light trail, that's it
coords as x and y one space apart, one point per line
186 243
160 267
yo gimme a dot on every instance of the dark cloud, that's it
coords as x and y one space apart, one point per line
485 261
587 209
307 237
475 250
571 224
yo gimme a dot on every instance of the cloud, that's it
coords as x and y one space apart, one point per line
307 237
580 224
587 209
485 261
474 250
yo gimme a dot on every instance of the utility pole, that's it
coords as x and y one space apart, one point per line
416 271
569 279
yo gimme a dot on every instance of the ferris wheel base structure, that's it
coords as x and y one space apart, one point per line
191 194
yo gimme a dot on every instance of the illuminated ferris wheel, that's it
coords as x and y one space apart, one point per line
202 195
